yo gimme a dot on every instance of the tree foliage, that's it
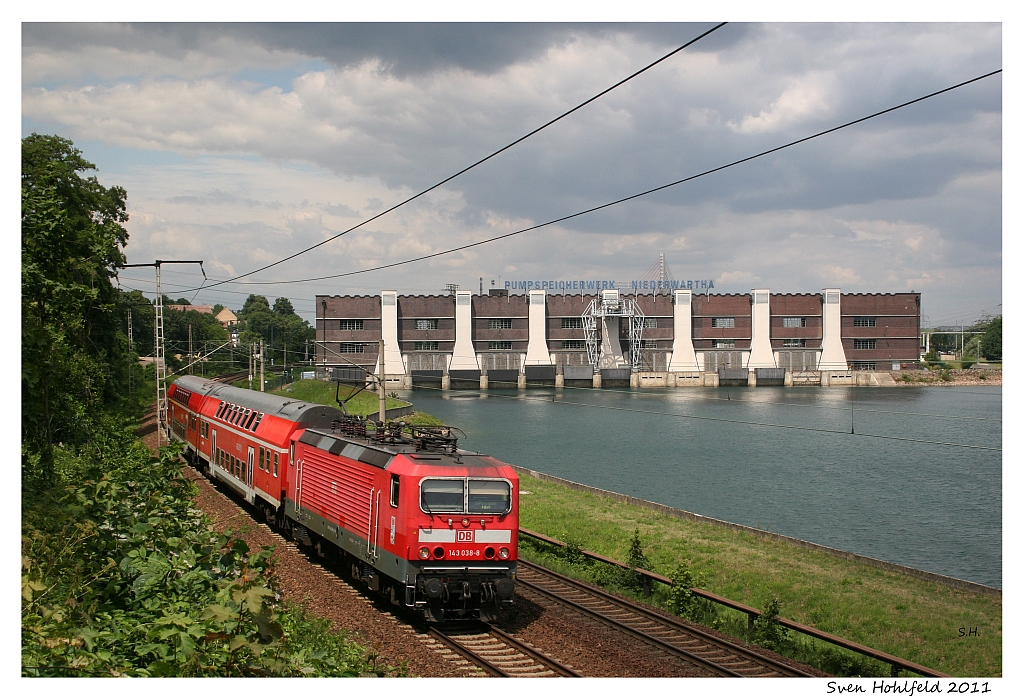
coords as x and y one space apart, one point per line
279 327
74 353
992 340
123 576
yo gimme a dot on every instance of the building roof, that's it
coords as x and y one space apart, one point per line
226 316
189 307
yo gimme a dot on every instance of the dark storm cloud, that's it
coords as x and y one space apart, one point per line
404 48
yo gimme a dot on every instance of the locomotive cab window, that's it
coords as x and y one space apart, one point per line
489 497
438 495
394 489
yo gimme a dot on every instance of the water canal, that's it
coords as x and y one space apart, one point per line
928 506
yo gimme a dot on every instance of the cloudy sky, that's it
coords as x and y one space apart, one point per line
242 144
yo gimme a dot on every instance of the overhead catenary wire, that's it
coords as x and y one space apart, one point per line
480 161
628 198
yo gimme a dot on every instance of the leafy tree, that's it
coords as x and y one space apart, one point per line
281 328
74 353
992 340
283 306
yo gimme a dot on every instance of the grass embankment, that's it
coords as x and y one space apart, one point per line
122 575
905 616
366 403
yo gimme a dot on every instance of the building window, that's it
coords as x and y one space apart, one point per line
648 344
794 322
864 344
723 322
499 323
572 323
426 346
863 321
499 345
350 324
724 343
350 347
426 324
793 342
864 366
574 344
650 322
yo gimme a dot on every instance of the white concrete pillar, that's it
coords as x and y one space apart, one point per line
833 356
537 348
393 361
683 356
463 356
761 355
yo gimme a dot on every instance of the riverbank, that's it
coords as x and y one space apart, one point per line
949 377
908 616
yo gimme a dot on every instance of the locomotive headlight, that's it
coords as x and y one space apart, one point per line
503 552
424 552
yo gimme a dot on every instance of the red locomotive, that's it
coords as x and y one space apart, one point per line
433 526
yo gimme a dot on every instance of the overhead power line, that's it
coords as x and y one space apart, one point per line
478 162
632 196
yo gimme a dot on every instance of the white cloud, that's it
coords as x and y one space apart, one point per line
806 99
241 170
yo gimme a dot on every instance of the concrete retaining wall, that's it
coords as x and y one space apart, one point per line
683 514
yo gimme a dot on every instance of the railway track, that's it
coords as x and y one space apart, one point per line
672 636
497 653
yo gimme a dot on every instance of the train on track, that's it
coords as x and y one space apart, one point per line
432 526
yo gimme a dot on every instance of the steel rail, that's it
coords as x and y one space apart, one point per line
643 636
544 660
668 621
468 654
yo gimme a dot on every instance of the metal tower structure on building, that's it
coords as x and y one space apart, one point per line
158 341
610 305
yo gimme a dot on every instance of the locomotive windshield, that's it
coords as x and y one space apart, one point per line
442 495
489 497
483 497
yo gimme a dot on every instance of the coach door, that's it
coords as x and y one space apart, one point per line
248 472
213 450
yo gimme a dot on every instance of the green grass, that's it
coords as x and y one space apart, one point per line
905 616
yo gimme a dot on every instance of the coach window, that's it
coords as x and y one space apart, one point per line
248 422
275 464
394 490
261 459
257 423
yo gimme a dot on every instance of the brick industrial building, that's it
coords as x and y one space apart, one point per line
682 332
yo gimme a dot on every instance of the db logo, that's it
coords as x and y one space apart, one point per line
464 535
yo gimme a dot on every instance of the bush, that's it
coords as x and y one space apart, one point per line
123 576
768 632
967 363
683 602
573 551
945 375
630 579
